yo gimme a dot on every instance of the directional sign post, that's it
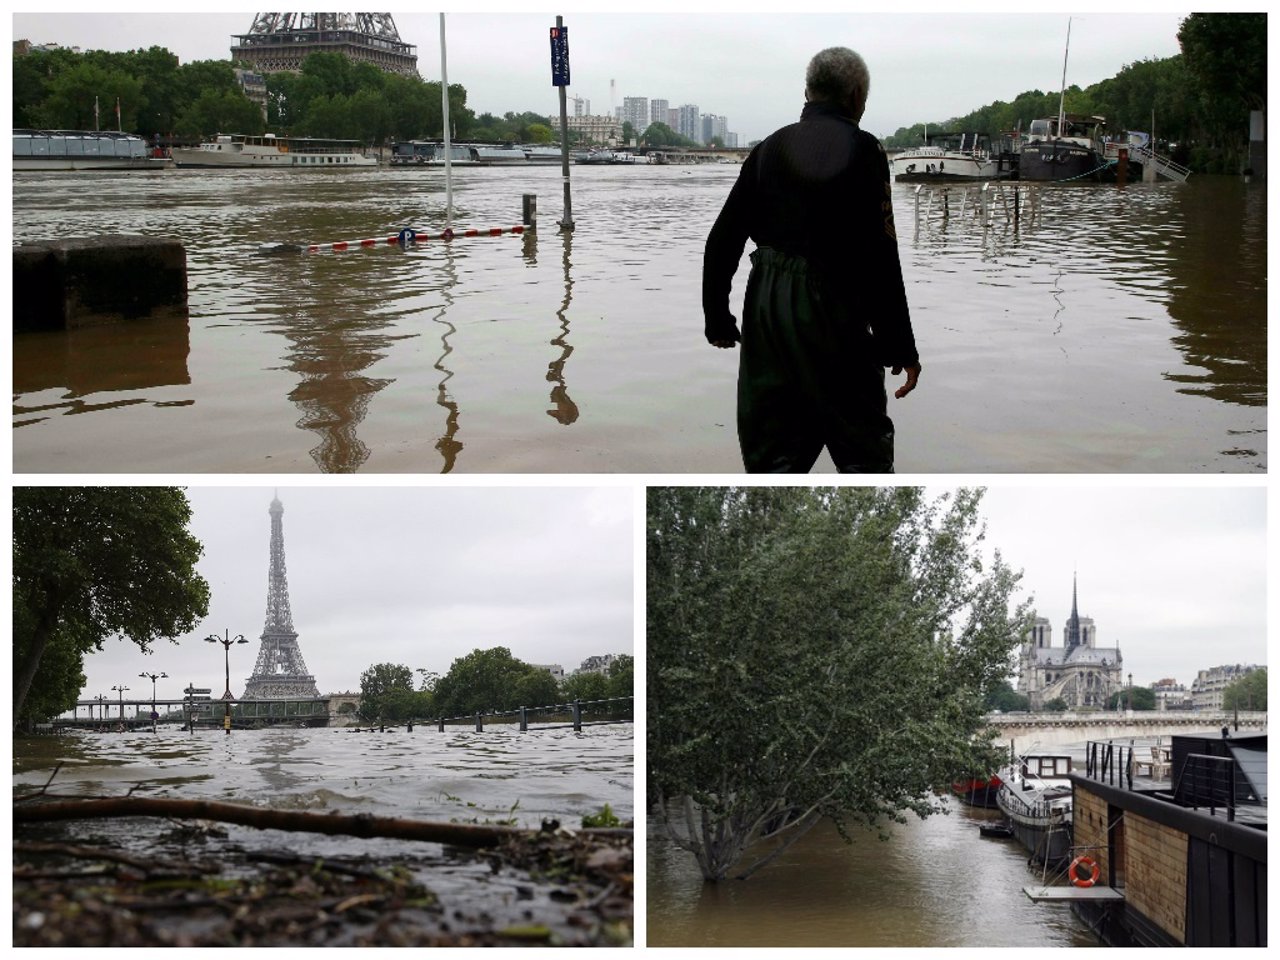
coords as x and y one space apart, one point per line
560 78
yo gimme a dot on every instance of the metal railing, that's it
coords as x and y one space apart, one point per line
556 716
1207 781
1109 763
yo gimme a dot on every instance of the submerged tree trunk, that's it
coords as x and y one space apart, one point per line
356 825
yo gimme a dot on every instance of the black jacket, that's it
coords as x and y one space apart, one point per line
818 189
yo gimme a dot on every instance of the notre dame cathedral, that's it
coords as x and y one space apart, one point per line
1079 672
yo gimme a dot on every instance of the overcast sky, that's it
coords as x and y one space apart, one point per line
749 67
1175 576
401 575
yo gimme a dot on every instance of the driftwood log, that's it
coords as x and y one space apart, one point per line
355 825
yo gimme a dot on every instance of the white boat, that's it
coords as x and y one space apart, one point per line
950 156
83 150
272 152
1035 797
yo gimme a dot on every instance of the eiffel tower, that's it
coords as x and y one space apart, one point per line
281 41
280 673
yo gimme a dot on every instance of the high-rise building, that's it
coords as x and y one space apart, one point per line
635 110
280 673
714 126
687 122
658 111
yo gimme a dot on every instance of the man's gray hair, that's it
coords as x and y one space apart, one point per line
838 75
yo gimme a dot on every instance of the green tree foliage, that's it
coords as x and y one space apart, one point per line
1200 99
815 654
1247 693
90 563
74 94
661 135
1056 705
1132 698
1001 696
585 686
489 680
220 112
622 676
329 97
386 693
1226 55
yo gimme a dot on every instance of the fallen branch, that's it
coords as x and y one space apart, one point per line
146 864
263 818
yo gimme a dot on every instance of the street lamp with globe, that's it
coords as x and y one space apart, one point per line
227 641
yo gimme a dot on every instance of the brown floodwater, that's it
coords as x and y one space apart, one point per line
934 883
1124 331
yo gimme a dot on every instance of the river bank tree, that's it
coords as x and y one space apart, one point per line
330 97
1247 693
91 563
1198 101
815 654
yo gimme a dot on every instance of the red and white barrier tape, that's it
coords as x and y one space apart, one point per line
418 237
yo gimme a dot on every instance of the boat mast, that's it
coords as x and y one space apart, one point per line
448 161
1062 98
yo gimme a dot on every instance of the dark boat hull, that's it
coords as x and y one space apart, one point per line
1056 160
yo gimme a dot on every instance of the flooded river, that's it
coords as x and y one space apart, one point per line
935 883
1124 331
459 776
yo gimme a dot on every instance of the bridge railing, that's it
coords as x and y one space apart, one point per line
575 715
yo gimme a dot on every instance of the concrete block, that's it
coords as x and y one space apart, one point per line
89 281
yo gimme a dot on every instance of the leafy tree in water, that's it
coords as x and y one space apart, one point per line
815 654
1247 693
90 563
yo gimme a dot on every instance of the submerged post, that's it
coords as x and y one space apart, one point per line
524 721
448 150
577 715
560 78
529 211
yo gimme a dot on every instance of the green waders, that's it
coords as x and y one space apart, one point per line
808 376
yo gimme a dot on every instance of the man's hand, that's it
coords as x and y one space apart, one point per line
724 344
913 376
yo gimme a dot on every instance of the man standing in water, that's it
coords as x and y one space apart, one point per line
825 308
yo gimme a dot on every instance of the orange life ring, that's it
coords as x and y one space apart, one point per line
1094 872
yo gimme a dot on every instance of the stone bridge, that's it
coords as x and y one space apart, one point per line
1040 731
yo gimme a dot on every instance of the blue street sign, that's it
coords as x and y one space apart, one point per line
559 56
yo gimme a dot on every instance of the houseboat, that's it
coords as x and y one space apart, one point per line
950 156
1180 861
270 152
1066 147
84 150
1035 797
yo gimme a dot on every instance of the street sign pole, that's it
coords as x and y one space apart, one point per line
560 78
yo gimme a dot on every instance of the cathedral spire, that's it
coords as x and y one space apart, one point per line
1073 638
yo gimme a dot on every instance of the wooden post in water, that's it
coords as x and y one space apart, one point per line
524 721
577 715
479 723
529 211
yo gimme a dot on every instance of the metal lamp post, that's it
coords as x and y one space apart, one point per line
153 677
227 640
122 688
102 706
